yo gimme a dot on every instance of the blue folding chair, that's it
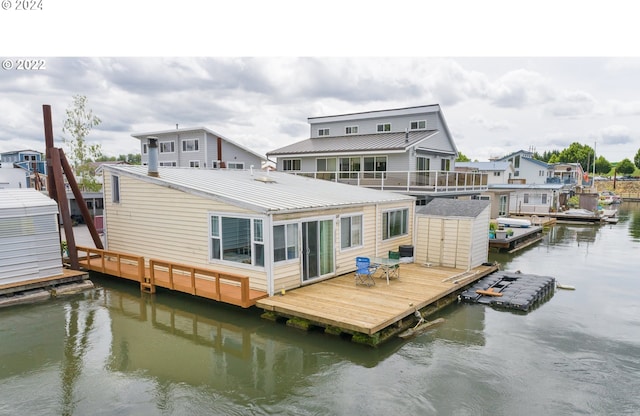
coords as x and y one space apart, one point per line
364 272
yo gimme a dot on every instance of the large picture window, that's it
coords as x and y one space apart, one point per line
394 223
190 145
167 147
351 231
240 240
285 242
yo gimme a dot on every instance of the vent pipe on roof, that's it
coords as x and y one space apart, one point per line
406 136
153 156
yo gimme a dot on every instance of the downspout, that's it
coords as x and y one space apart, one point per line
222 164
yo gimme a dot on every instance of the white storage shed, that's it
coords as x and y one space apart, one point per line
29 236
453 233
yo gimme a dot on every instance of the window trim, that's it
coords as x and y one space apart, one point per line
173 146
115 189
351 245
297 246
195 145
168 164
382 127
291 162
252 236
349 130
325 131
235 165
418 125
145 148
194 162
386 231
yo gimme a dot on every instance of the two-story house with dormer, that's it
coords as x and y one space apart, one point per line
32 164
526 169
198 147
408 150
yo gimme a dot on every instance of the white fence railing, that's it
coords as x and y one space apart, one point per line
415 182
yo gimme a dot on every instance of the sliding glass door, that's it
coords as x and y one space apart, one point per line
317 249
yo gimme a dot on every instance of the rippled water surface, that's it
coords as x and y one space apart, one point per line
115 351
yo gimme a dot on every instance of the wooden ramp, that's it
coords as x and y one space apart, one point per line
340 303
152 273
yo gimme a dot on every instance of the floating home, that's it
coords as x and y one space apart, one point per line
282 231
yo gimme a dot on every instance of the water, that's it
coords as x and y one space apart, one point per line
116 351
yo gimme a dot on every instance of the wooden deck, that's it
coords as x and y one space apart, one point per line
152 273
340 303
67 276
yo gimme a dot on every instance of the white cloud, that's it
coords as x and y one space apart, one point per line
520 88
573 104
490 125
616 135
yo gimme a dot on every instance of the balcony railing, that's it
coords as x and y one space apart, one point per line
411 182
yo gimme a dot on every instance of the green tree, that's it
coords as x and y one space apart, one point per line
636 159
462 158
576 152
78 124
603 166
625 167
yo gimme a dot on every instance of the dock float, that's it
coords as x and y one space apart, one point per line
521 238
371 315
511 290
69 282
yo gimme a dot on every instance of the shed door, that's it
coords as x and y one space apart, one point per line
449 243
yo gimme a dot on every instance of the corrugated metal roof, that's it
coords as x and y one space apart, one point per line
355 143
282 192
443 207
23 202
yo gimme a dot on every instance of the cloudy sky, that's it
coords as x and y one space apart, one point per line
262 97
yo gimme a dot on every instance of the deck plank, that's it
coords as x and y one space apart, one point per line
340 302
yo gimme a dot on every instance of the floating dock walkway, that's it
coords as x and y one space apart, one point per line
70 281
511 290
521 238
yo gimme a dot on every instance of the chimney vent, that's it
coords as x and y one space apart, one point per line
153 156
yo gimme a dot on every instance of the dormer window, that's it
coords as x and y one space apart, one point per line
351 130
419 125
323 132
384 127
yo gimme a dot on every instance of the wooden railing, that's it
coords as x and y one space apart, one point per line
211 284
112 262
177 273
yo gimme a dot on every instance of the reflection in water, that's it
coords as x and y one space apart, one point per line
75 347
634 225
178 339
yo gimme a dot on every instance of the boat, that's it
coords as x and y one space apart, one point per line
514 222
609 198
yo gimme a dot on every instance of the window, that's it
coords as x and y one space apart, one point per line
351 130
351 231
323 132
145 148
326 165
291 164
496 173
526 198
375 164
215 164
168 164
544 199
285 242
516 173
194 163
239 240
349 164
384 127
502 209
167 147
540 173
190 145
445 164
516 162
418 125
422 163
235 165
394 223
115 189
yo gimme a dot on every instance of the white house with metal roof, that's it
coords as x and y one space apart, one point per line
526 169
280 230
409 150
198 147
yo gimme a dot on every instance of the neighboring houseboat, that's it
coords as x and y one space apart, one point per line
408 150
280 230
32 164
198 147
526 169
